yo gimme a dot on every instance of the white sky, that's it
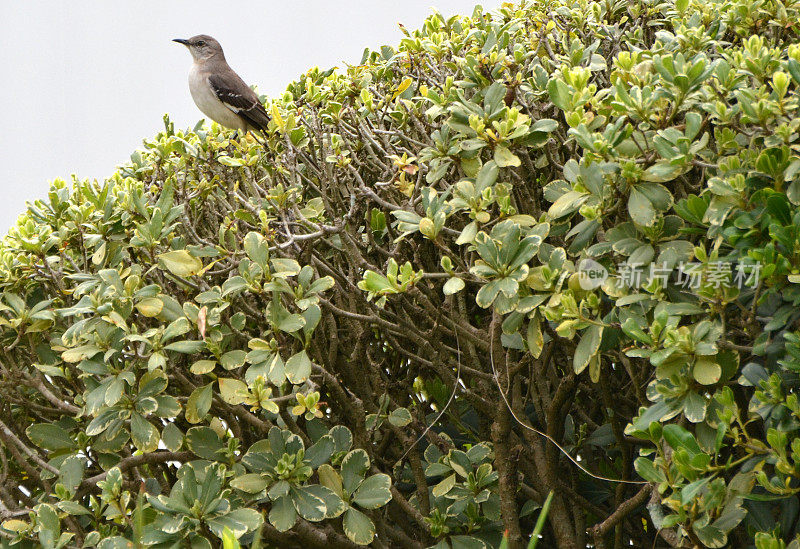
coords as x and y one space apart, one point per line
84 82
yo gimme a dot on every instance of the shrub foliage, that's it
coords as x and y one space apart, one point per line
233 340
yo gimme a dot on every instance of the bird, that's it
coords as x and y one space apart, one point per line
218 91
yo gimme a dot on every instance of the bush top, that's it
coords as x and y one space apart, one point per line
564 222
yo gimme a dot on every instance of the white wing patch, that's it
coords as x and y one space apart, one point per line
231 107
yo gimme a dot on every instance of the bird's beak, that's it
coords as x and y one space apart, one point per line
181 41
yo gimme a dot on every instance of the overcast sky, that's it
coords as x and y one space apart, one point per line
84 82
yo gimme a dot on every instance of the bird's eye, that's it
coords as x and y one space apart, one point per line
201 43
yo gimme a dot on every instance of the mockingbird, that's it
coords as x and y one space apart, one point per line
218 91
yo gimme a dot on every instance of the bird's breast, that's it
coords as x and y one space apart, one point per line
208 103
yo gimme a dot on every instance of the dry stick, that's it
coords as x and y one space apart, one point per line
600 529
141 459
8 434
545 435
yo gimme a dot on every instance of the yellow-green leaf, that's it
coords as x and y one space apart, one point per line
232 391
276 117
588 346
203 367
181 263
199 404
401 88
504 157
150 306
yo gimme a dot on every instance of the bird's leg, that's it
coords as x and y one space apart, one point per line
236 134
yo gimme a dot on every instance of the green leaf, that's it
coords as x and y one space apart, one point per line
358 527
460 463
71 472
694 407
15 525
641 209
329 478
256 249
334 505
466 542
321 285
321 451
150 307
661 172
48 521
229 541
203 367
172 437
453 285
233 359
399 417
279 489
559 94
633 329
374 492
678 437
487 175
794 69
342 438
467 234
50 437
115 542
143 433
648 471
298 368
690 491
199 403
535 337
204 442
283 268
152 383
504 157
493 97
232 391
488 293
186 347
114 392
181 263
282 515
79 353
444 486
177 327
102 421
233 285
308 506
252 483
587 347
711 536
168 406
546 125
657 194
778 207
793 192
706 370
354 467
566 204
241 521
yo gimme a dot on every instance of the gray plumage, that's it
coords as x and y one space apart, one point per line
218 91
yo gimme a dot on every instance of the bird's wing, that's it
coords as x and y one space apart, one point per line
238 97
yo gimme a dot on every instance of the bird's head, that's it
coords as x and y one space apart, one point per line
201 46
